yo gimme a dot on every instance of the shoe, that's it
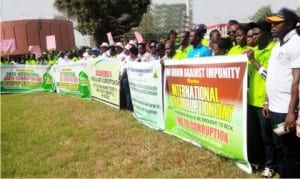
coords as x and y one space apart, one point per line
268 173
255 167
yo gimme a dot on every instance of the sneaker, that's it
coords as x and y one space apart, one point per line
268 173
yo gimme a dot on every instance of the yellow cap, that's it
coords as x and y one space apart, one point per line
276 18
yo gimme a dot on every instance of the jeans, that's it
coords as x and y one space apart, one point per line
287 149
261 149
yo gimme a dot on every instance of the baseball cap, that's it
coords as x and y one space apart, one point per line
260 24
95 49
104 44
283 14
128 46
132 42
119 44
201 28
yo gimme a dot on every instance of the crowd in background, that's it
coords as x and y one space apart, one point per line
275 38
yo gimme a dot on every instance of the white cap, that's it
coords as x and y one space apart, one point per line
128 46
104 44
132 42
119 44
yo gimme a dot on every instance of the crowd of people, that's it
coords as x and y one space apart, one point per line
273 50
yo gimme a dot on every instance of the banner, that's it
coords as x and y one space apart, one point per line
26 78
145 83
7 45
72 79
104 76
205 103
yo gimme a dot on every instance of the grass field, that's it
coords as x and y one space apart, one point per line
50 135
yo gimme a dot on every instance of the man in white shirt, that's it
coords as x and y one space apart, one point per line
282 85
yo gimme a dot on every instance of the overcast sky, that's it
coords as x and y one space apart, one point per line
215 11
204 11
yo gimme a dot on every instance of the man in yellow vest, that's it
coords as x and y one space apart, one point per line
182 51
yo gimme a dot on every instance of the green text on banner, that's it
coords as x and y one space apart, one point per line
72 79
25 78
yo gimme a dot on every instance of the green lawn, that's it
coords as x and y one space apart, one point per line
51 135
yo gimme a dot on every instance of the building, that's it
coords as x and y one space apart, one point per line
34 32
223 28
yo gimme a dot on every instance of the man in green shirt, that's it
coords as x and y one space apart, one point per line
260 142
232 27
182 51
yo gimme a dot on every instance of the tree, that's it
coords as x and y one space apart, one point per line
147 23
261 13
97 17
162 18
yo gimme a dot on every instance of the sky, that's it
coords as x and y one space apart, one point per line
208 12
212 12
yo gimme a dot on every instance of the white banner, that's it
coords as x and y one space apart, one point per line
145 83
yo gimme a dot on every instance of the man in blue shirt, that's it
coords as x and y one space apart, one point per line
196 37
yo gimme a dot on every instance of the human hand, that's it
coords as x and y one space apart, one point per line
250 54
290 121
265 110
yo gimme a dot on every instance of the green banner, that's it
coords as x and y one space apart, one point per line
72 79
104 76
205 103
26 78
145 83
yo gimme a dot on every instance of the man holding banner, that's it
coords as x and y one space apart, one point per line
123 81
